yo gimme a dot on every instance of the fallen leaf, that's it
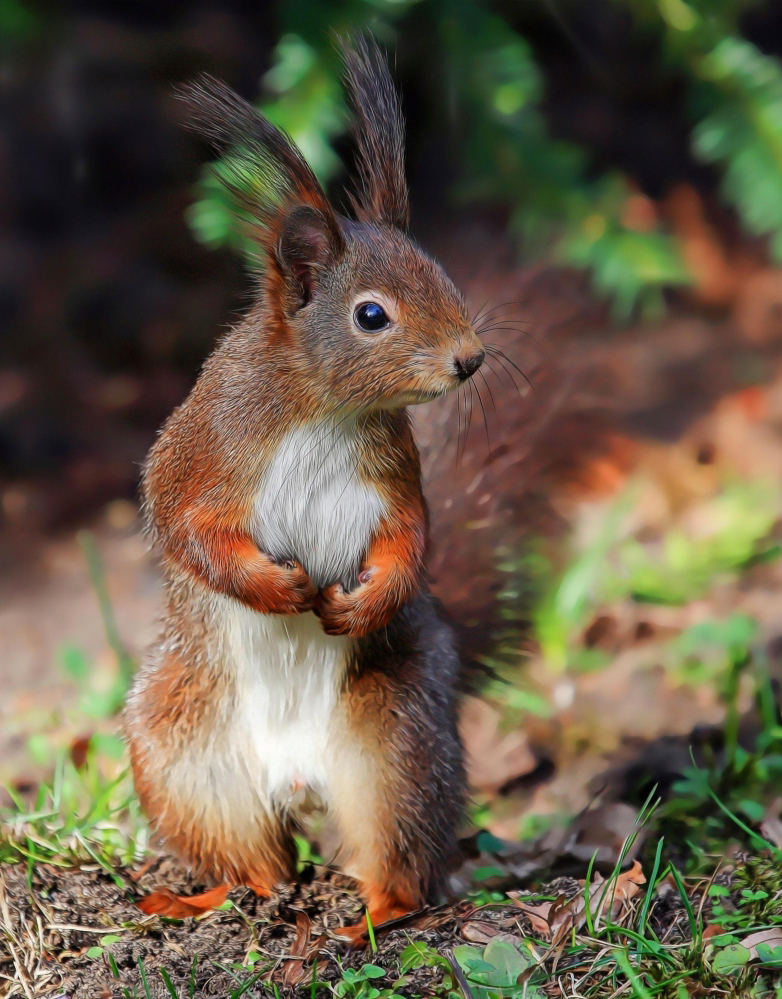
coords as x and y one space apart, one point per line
554 920
165 903
538 914
492 758
603 831
771 829
80 746
303 951
772 938
139 873
478 931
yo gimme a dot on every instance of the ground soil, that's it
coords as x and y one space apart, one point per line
55 925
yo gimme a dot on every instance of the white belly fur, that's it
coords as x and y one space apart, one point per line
312 507
288 675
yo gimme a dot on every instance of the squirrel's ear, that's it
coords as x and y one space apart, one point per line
309 242
379 134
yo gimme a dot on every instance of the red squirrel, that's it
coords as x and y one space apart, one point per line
301 652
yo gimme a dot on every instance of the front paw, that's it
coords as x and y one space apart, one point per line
356 612
290 589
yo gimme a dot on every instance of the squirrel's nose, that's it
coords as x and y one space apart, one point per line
467 366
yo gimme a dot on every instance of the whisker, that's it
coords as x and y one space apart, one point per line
503 317
494 350
506 371
500 382
488 389
318 426
358 413
485 421
458 426
469 420
478 314
502 324
502 305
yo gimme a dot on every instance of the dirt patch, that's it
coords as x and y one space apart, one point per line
56 929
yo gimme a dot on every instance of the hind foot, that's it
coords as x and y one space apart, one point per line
382 908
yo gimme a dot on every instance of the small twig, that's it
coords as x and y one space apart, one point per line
458 974
86 929
22 973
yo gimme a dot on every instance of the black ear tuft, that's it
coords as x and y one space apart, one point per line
307 244
379 133
260 165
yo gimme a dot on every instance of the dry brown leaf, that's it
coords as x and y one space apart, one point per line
492 758
478 931
771 937
538 914
554 920
165 902
711 930
303 951
603 831
771 829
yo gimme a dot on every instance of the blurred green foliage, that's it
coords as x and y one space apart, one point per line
736 103
674 567
492 87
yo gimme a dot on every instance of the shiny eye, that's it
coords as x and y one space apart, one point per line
371 317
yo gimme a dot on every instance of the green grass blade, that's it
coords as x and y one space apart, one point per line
371 934
168 983
125 662
191 987
587 886
756 839
647 904
144 981
694 928
246 986
639 989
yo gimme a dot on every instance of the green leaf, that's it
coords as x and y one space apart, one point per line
95 952
731 959
767 955
507 960
753 896
752 809
484 873
109 939
419 955
75 663
465 953
372 971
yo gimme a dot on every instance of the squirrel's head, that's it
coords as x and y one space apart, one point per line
375 317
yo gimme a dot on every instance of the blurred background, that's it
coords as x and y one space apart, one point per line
604 180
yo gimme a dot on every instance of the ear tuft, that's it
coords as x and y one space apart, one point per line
379 134
260 165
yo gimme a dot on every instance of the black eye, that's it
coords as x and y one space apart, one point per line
371 318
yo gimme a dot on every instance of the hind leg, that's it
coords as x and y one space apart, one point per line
396 789
266 859
199 787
